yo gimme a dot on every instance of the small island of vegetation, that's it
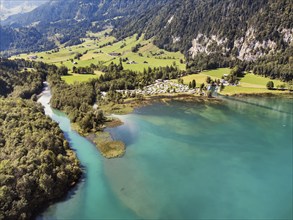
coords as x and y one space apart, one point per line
108 147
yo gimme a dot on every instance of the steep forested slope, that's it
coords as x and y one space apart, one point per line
221 33
246 28
58 22
228 24
17 81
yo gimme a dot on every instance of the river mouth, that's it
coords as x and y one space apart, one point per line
187 161
91 198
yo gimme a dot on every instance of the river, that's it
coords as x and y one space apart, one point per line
187 161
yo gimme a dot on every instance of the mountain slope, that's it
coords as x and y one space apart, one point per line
56 21
247 29
243 29
9 7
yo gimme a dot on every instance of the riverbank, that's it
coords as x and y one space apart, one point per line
131 103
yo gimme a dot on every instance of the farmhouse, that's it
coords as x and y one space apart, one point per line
34 57
114 54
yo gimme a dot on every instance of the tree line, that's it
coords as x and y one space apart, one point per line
277 66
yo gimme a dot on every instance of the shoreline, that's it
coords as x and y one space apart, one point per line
129 105
267 94
110 148
69 192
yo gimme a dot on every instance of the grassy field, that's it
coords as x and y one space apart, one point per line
72 78
201 77
250 83
95 49
254 80
217 73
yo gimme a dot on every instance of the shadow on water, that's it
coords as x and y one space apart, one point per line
168 108
123 133
67 196
254 104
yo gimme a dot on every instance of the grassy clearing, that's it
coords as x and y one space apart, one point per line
199 78
217 73
118 109
255 80
71 79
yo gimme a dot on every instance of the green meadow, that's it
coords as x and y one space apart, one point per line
250 83
95 49
76 78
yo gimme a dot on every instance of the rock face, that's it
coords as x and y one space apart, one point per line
205 44
247 48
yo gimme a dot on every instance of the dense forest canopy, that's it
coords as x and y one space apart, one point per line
22 78
36 162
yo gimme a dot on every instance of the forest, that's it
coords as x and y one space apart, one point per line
37 165
22 78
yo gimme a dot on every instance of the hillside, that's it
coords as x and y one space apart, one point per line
54 23
245 29
209 33
9 7
100 47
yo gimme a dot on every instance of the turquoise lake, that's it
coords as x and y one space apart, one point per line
187 161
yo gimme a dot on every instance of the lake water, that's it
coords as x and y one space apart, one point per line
187 161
